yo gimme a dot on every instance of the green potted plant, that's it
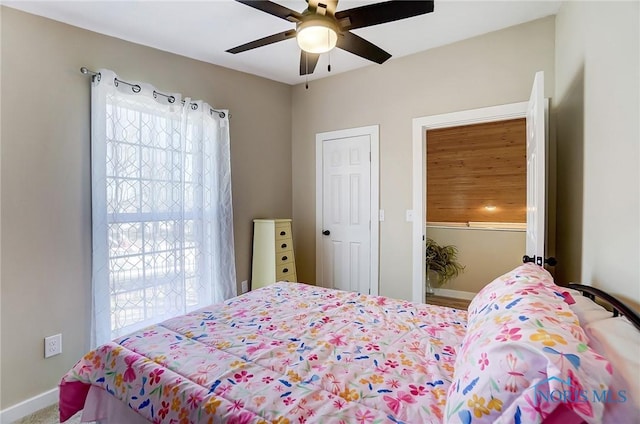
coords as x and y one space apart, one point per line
442 261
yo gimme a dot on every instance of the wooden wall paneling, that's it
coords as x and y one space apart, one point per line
473 166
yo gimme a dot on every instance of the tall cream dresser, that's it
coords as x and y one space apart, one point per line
273 258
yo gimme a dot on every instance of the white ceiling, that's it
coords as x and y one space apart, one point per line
203 30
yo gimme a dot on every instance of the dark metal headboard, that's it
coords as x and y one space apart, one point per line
618 307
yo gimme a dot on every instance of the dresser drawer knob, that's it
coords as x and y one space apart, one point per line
284 258
283 245
283 233
285 270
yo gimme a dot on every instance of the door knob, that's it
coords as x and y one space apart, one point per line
326 232
551 261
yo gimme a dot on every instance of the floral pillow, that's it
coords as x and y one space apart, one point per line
524 357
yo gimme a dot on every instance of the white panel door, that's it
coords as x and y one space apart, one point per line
536 173
346 212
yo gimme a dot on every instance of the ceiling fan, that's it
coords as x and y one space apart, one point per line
319 28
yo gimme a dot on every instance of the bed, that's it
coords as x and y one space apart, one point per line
295 353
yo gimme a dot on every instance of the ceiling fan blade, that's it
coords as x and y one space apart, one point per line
273 9
264 41
361 47
308 62
380 13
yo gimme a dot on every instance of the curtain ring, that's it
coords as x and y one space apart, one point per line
170 99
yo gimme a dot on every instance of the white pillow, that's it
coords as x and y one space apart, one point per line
619 341
586 309
589 311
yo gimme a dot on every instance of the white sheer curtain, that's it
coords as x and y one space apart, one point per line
161 206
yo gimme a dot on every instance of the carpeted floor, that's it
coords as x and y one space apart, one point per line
47 416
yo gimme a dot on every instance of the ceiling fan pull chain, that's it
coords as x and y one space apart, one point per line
306 73
329 52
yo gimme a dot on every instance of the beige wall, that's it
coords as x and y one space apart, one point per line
46 227
485 254
598 137
492 69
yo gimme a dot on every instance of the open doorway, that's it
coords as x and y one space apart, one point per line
476 195
536 238
420 127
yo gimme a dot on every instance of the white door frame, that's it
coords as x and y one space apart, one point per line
420 127
373 133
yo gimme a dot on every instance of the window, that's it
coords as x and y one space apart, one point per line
162 231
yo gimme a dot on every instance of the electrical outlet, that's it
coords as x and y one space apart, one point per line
244 286
52 345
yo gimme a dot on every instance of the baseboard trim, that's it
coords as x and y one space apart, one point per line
456 294
29 406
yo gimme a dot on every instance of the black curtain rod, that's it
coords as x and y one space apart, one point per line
136 89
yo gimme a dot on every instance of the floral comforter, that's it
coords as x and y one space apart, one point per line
286 353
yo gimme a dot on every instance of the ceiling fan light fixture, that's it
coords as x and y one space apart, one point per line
317 35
